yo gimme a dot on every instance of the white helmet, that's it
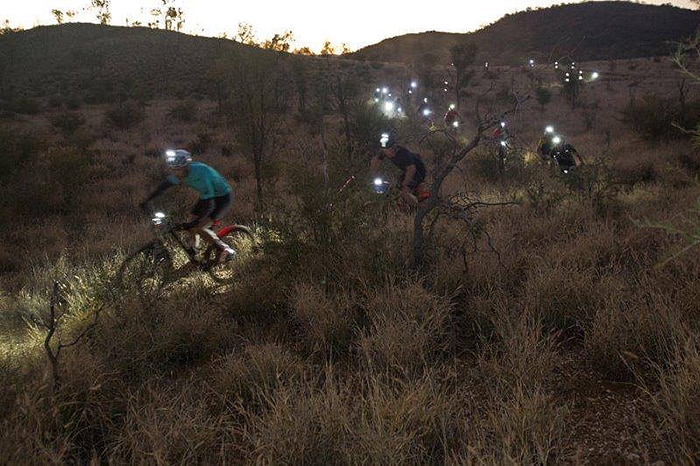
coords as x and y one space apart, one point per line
178 158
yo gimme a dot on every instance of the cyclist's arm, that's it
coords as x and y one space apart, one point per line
374 165
201 213
168 182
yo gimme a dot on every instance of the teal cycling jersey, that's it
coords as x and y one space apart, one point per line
205 180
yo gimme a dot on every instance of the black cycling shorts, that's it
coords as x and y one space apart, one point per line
214 208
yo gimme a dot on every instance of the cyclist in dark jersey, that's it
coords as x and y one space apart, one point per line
552 147
215 195
412 182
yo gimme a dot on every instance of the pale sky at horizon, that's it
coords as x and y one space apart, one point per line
359 24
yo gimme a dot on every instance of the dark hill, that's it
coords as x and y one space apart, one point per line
584 31
105 63
101 62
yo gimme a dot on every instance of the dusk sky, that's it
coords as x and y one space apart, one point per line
355 24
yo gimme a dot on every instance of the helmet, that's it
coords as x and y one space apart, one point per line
387 140
178 158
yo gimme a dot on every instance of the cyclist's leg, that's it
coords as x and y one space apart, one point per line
200 220
222 204
417 190
205 212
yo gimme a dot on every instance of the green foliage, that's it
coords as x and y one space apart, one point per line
690 232
658 119
125 115
543 96
184 112
18 151
21 105
68 122
367 124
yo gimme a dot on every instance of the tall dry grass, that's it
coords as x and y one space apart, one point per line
332 350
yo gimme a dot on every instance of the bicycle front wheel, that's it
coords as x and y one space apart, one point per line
146 271
242 241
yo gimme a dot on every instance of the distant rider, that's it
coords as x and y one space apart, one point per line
552 147
215 196
412 182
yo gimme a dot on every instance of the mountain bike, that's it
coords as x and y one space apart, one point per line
566 158
169 256
392 194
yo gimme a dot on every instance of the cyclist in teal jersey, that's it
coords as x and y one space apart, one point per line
215 195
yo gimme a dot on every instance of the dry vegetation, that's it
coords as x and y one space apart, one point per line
573 340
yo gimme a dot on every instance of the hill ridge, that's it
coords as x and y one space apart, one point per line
590 30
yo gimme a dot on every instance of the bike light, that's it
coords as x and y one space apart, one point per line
503 143
549 129
556 140
380 186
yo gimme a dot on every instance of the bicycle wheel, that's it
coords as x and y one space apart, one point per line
242 241
147 270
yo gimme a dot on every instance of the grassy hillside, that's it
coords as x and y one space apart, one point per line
580 32
553 320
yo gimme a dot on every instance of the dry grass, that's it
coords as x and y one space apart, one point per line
330 350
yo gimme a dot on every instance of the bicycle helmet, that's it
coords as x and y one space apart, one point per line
178 158
387 140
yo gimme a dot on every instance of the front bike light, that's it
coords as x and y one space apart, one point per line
380 186
158 218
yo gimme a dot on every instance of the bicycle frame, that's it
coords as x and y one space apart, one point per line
165 229
155 264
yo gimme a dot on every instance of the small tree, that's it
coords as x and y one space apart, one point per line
257 106
104 16
543 96
58 16
245 34
279 42
52 321
463 56
445 166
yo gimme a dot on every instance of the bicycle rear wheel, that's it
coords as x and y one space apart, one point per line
146 271
242 241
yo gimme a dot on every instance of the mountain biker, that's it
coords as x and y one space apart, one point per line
215 196
452 117
501 135
412 181
552 146
546 143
